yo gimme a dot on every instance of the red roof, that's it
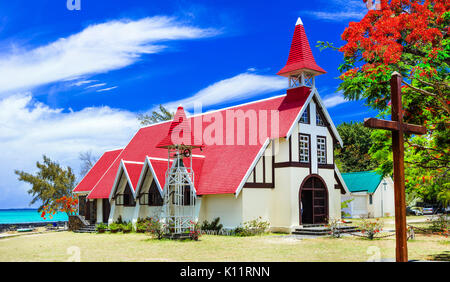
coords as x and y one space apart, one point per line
97 171
300 55
224 166
133 170
179 132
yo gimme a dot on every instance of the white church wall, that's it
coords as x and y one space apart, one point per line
383 200
225 206
256 202
359 205
334 195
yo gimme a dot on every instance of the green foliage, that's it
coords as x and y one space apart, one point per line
344 205
370 227
440 224
49 184
127 227
214 225
115 227
195 231
101 227
354 156
390 40
157 116
156 228
252 227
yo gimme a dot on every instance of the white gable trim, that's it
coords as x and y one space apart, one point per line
327 116
338 173
123 168
313 93
249 171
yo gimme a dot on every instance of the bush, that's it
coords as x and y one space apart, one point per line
370 228
440 224
213 226
127 227
334 225
114 227
141 227
156 228
195 231
252 228
101 227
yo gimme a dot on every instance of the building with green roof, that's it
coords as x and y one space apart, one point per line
373 195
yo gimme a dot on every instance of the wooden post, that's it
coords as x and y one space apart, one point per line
399 170
398 128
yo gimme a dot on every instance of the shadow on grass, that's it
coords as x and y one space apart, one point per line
445 256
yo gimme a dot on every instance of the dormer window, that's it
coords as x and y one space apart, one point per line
305 116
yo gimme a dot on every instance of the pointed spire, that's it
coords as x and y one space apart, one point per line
300 56
179 132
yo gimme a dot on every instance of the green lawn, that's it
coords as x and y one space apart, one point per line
140 247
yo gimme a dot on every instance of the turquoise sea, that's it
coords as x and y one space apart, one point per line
27 215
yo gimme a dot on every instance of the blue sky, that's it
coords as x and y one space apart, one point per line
73 81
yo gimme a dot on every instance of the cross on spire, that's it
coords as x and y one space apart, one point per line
398 128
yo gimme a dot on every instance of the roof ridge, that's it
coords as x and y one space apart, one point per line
354 172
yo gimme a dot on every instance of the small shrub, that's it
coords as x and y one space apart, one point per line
252 227
156 228
195 231
127 227
141 227
213 226
334 225
440 224
370 228
114 227
101 227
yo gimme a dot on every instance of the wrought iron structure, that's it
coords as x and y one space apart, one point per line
179 193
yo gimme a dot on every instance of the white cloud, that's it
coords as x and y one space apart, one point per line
30 129
96 85
107 89
96 49
339 10
82 82
239 87
333 100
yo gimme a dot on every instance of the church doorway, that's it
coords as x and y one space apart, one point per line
313 201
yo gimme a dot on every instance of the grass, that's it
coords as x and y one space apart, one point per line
56 246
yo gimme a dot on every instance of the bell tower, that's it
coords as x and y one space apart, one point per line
301 68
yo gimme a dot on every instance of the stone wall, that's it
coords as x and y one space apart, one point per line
8 226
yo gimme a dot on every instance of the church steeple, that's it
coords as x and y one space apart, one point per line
301 68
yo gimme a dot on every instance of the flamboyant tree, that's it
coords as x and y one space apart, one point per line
410 37
52 186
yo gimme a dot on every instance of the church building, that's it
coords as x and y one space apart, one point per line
271 158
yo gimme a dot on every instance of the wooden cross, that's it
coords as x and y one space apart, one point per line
398 128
